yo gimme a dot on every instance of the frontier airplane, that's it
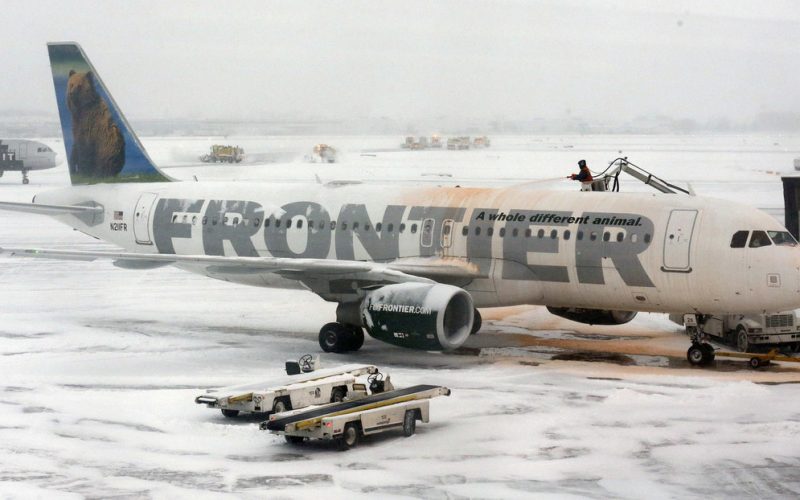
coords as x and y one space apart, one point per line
411 265
22 155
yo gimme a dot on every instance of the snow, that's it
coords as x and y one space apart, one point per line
99 366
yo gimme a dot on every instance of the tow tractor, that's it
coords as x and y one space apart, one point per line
304 385
359 414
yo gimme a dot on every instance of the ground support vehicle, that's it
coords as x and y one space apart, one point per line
347 421
293 391
750 332
323 154
223 154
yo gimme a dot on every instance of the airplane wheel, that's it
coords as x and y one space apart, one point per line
755 363
334 337
708 353
477 322
25 181
357 338
230 413
695 355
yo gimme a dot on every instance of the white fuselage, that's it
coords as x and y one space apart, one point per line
640 252
23 154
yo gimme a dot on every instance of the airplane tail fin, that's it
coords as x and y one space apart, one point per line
100 144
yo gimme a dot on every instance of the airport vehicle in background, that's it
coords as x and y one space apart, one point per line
749 332
481 142
322 153
462 142
408 143
348 421
410 264
300 388
23 155
223 154
436 141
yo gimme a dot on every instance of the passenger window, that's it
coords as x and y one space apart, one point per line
580 235
174 218
759 239
333 225
413 229
515 232
620 237
606 236
311 224
739 239
289 224
446 229
647 237
366 227
344 226
277 223
502 232
540 234
567 234
256 222
464 231
266 222
528 233
355 226
214 221
593 236
299 223
477 231
378 227
402 227
235 221
490 231
205 220
194 220
322 224
553 234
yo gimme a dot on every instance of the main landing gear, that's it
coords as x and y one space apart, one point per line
25 177
340 338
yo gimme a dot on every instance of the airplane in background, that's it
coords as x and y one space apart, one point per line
23 155
411 265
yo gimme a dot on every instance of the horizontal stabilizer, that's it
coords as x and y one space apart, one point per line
38 208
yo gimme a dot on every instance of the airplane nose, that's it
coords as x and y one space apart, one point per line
58 159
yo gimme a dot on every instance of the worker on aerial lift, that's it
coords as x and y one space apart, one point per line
584 176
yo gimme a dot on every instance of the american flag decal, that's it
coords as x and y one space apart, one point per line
118 215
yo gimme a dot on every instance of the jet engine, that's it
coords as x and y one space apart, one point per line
432 317
593 316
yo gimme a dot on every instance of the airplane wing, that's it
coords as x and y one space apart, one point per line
38 208
331 279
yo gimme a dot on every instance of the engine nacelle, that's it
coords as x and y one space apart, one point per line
432 317
593 316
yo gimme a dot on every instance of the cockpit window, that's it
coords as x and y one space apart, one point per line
759 239
739 239
782 238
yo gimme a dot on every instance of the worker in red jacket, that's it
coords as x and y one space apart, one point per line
584 176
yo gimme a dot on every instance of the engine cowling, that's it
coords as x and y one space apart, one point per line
432 317
593 316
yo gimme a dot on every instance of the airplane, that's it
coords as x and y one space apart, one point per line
411 265
22 155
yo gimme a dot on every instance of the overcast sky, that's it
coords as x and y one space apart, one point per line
598 59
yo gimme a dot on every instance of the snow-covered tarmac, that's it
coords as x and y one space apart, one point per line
99 366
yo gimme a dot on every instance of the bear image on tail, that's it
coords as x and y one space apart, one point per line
98 148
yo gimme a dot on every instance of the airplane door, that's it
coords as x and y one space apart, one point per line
22 151
447 233
426 235
678 241
141 218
